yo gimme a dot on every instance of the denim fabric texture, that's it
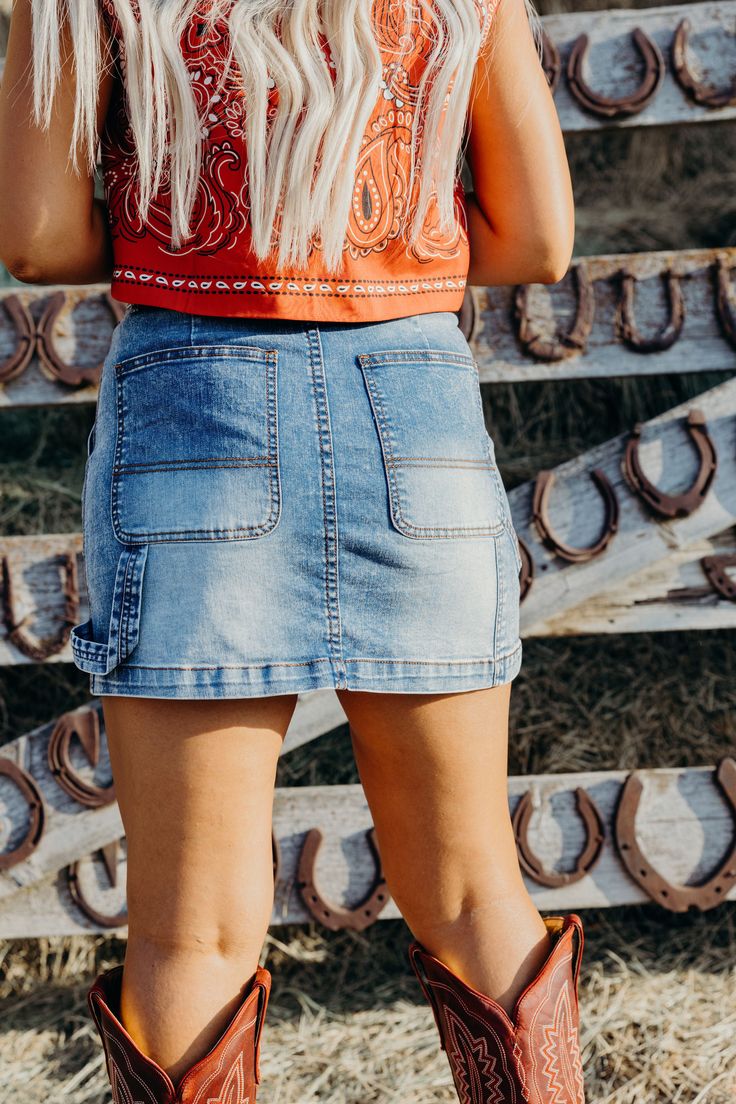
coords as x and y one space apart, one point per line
275 506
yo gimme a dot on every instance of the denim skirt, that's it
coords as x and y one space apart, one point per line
274 506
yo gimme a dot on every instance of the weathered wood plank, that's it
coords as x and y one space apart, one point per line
701 347
673 594
82 333
684 827
577 511
614 67
81 337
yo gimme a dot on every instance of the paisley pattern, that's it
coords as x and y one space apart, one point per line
376 251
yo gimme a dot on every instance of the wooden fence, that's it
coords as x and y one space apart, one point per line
606 549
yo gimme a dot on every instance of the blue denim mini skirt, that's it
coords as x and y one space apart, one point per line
274 506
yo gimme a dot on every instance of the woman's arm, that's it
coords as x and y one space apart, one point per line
52 229
521 221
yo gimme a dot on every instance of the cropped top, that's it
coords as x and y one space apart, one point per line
216 272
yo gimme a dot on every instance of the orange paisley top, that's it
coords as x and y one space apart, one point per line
216 272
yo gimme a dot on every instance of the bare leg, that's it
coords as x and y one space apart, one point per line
434 770
194 782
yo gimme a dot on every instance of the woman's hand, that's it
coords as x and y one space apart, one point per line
52 229
521 222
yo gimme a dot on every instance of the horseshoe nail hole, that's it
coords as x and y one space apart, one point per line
624 846
381 897
643 873
717 889
664 893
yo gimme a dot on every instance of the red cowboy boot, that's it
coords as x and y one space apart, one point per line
533 1058
228 1074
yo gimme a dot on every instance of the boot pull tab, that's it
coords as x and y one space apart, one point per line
261 1016
415 959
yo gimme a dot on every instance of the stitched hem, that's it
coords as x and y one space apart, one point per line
408 676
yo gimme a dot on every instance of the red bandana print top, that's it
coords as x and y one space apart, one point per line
215 271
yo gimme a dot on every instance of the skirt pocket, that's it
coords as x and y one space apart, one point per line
439 468
196 449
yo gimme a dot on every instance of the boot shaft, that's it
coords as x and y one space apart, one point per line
228 1074
532 1057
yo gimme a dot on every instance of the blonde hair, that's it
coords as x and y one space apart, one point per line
272 42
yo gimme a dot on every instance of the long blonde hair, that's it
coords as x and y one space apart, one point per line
272 42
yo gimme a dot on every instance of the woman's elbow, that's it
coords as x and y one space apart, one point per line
24 267
27 257
548 258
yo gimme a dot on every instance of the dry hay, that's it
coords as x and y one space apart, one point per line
347 1023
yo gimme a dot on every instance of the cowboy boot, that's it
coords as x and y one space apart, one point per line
532 1058
228 1073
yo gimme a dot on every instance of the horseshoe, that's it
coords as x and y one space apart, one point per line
724 308
714 568
677 898
674 506
551 62
17 362
526 576
109 855
467 315
85 724
28 786
667 334
49 358
586 860
540 517
36 649
701 93
335 917
564 345
609 107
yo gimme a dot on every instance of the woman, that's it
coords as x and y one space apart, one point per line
289 483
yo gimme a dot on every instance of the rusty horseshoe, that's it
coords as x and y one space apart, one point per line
49 359
563 345
36 649
336 917
612 106
714 568
109 855
667 334
467 316
673 506
701 93
22 355
724 302
586 860
526 575
85 724
677 898
550 62
540 517
28 787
